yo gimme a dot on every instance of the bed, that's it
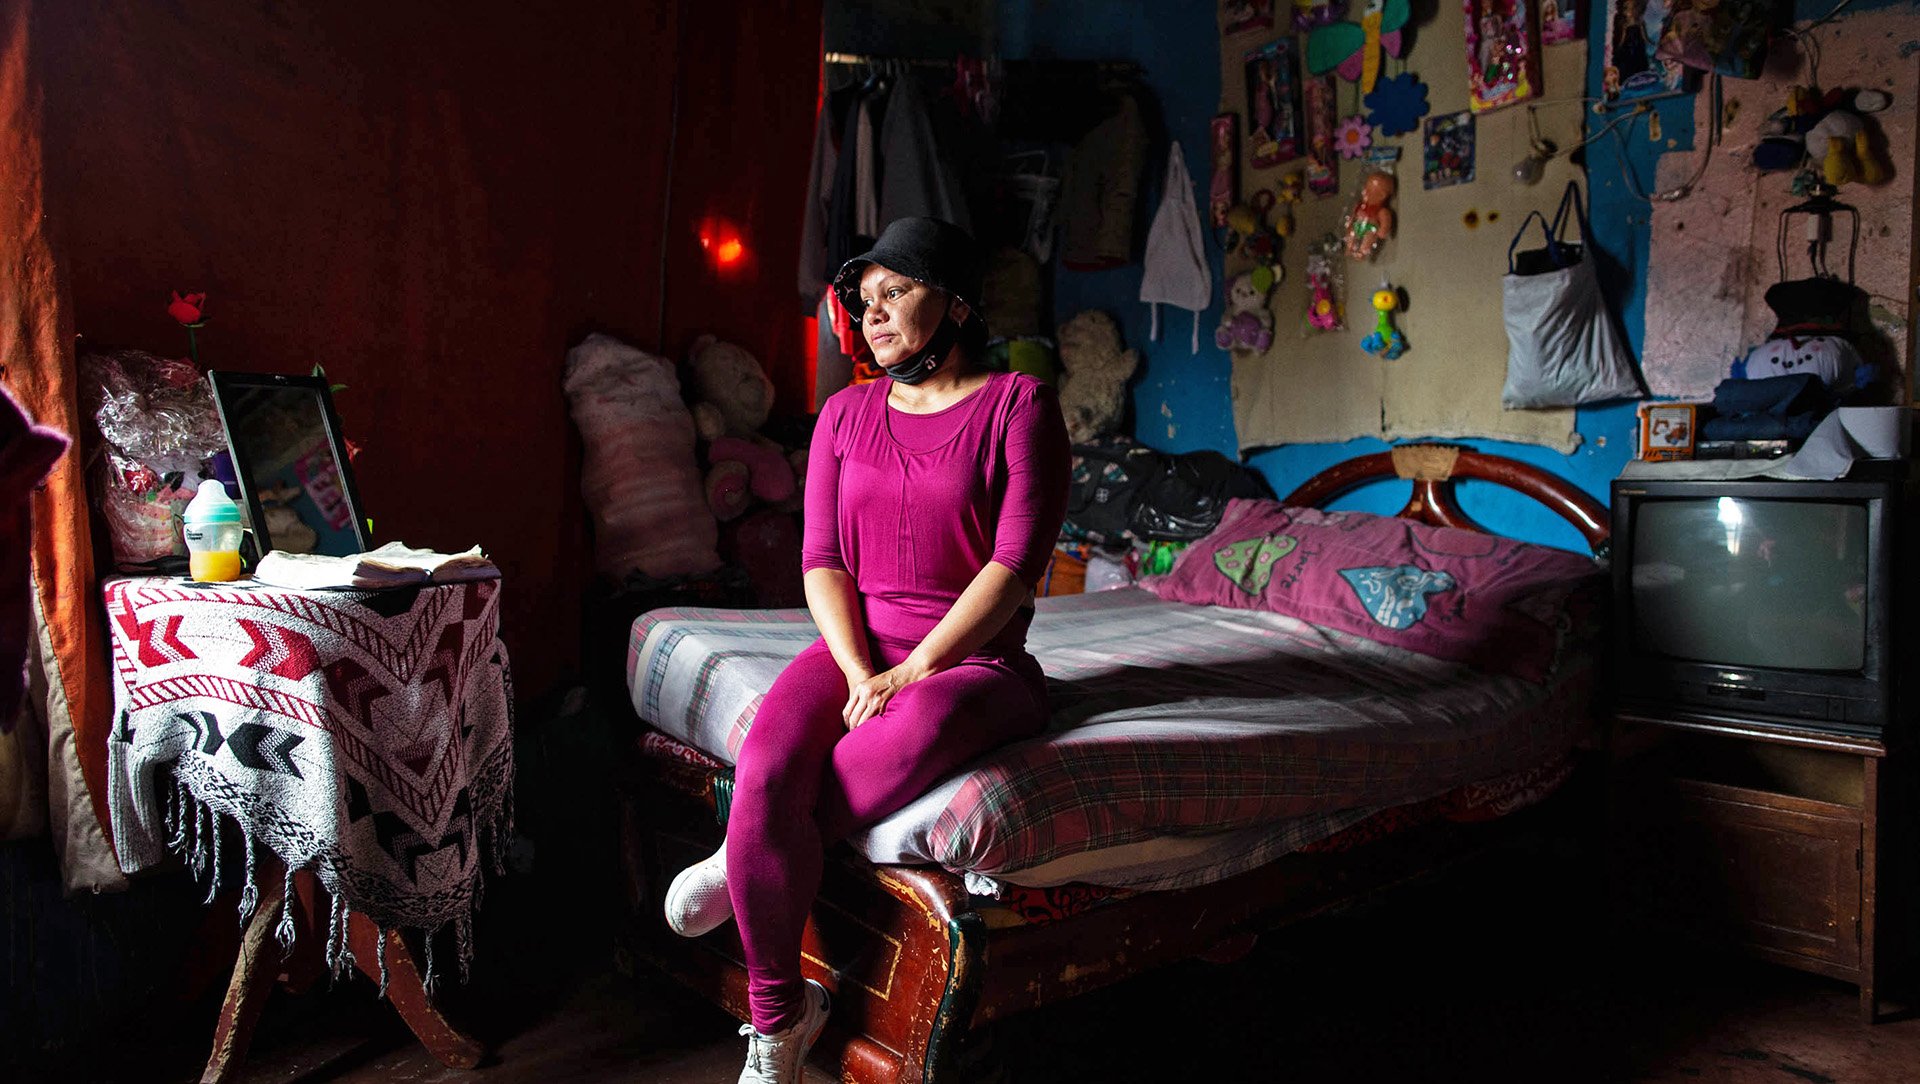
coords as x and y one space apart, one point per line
1210 772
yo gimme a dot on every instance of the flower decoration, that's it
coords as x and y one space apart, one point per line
1397 104
1353 136
190 312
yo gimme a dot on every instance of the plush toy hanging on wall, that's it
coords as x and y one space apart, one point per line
1386 339
1397 104
1353 49
1829 134
1247 324
1370 222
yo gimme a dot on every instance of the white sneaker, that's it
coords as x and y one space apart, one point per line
697 900
781 1058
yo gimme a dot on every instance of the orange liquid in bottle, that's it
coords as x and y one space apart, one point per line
216 567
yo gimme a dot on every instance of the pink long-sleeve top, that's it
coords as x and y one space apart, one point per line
913 506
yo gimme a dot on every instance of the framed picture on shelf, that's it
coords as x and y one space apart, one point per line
1666 431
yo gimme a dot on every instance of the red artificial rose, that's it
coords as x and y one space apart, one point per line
188 310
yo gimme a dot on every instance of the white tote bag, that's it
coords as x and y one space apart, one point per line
1563 349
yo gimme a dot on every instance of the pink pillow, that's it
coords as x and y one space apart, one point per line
1492 602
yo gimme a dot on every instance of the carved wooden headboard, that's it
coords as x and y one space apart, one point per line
1433 469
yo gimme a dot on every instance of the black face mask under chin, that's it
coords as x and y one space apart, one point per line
923 363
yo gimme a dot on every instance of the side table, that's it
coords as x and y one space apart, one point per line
276 737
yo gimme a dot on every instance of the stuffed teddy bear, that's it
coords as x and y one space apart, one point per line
1248 323
1094 375
744 469
731 393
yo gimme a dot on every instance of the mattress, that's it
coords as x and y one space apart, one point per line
1188 743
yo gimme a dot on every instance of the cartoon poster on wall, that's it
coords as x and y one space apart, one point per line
1448 150
1273 104
1503 53
1631 70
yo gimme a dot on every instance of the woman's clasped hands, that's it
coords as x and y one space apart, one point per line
868 696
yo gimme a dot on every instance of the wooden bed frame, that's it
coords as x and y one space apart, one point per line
914 967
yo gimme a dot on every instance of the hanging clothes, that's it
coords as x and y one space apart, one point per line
1177 271
856 179
1097 196
917 178
814 251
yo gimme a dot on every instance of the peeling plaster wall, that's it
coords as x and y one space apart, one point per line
1714 253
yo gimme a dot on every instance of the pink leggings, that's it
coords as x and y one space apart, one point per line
803 781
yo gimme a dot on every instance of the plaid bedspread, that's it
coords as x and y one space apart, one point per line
1188 743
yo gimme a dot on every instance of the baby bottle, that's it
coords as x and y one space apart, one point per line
213 534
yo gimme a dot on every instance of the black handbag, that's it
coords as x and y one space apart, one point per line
1559 252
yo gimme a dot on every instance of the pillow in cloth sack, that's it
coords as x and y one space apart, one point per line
1491 602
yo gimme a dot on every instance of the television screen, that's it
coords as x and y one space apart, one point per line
1744 582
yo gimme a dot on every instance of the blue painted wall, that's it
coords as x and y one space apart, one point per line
1177 44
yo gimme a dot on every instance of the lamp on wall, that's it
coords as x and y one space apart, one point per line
1540 150
726 250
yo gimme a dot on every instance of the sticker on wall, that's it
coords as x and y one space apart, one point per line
1353 49
1355 135
1503 53
1242 16
1559 22
1223 188
1397 104
1323 157
1448 150
1629 69
1273 104
1308 14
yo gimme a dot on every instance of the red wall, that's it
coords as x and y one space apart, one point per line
433 200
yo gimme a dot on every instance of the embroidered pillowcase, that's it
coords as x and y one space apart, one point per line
1501 605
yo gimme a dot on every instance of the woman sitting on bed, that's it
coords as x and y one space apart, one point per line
933 501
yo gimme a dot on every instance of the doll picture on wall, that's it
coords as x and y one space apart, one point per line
1559 21
1724 36
1323 153
1630 68
1503 53
1223 188
1240 16
1273 104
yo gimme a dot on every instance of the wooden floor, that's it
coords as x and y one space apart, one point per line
1488 977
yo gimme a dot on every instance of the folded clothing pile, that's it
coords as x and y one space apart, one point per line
1772 408
391 565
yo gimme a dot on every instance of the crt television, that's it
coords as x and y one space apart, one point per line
1766 600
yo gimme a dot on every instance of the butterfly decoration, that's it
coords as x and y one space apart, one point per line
1353 49
1396 595
1249 564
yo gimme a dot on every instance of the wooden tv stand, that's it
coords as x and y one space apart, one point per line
1758 836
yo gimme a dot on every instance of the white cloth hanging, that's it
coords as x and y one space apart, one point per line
1176 266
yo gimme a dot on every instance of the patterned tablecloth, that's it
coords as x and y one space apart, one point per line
363 735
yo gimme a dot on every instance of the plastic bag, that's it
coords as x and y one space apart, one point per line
158 427
1562 347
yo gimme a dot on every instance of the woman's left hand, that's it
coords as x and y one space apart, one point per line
869 698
